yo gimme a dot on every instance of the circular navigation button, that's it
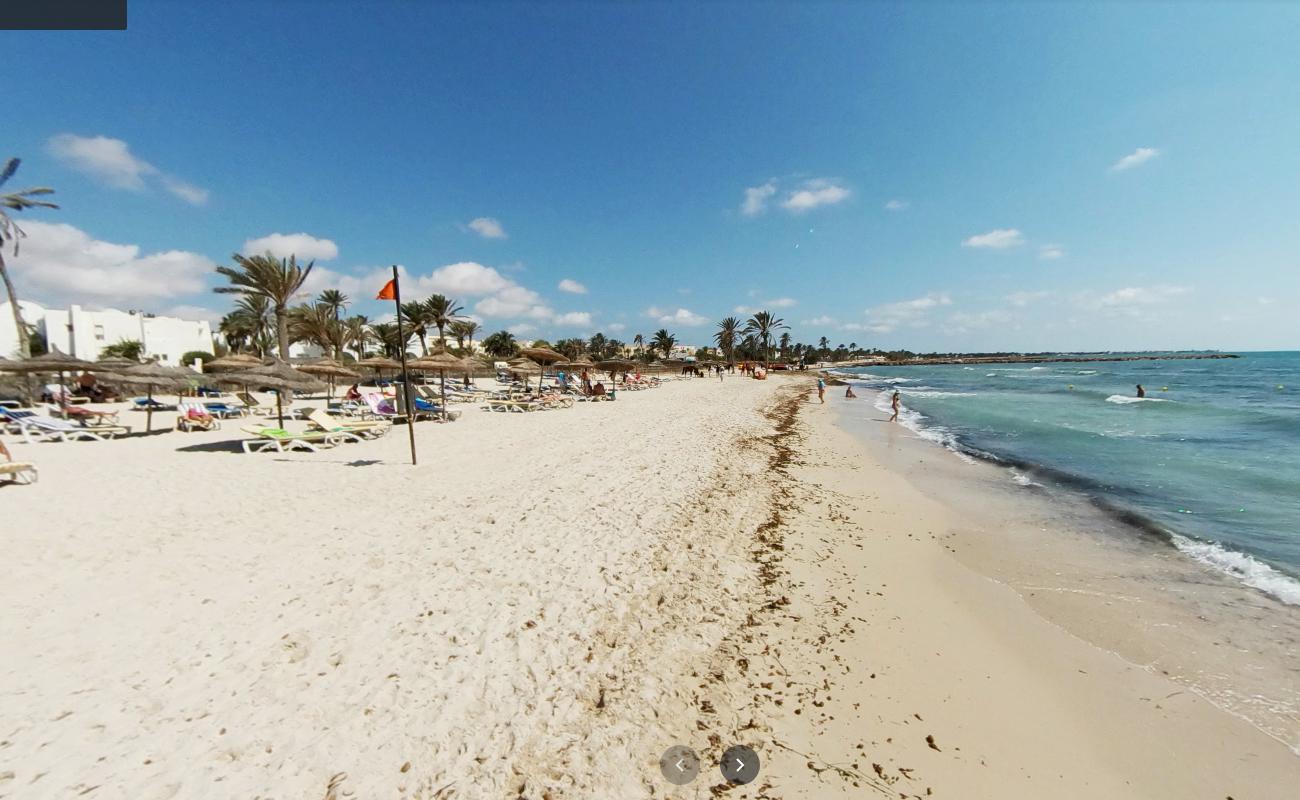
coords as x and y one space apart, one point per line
679 764
739 764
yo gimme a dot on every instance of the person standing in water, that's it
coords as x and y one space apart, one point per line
1141 392
821 389
894 402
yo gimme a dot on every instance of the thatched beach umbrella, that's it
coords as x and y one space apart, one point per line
330 369
614 366
543 356
52 362
155 376
379 364
441 362
232 362
279 376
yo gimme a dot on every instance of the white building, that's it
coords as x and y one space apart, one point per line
84 334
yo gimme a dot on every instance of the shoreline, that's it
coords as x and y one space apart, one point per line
1119 712
710 563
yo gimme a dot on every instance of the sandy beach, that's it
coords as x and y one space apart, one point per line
542 607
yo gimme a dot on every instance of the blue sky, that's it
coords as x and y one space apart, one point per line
969 177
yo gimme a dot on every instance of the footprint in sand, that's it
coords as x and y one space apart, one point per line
295 647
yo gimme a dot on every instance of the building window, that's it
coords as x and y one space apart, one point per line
99 333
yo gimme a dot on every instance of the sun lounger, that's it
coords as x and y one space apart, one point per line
16 471
146 404
511 406
366 429
84 415
279 440
224 411
195 417
36 428
9 418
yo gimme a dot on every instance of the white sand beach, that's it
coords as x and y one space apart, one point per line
540 608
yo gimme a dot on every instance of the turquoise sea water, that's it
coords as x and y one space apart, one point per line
1210 460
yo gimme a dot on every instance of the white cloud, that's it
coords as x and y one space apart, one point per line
998 239
514 301
779 302
819 192
616 327
488 228
282 245
572 287
185 191
964 322
1140 296
756 198
464 278
896 205
356 287
185 311
1136 158
819 322
1025 298
1051 252
890 316
854 326
63 264
680 316
573 319
112 162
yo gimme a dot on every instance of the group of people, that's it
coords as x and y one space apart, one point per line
895 402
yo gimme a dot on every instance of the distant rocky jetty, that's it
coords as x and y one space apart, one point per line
1049 359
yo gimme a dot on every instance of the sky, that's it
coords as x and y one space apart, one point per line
968 177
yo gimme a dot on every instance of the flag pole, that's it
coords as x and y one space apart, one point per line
401 348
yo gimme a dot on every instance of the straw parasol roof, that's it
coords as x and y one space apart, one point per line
328 368
615 365
277 375
232 361
542 355
114 364
379 363
436 361
53 361
5 364
582 361
523 365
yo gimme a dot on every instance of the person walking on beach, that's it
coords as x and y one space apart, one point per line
821 389
1141 392
894 402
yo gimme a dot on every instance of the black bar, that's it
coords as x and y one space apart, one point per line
406 380
63 15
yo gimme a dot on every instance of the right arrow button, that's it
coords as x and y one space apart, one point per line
739 764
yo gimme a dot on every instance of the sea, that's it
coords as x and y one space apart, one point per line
1209 460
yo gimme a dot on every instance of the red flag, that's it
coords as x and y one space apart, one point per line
389 292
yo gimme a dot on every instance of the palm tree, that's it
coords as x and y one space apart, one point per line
763 325
248 325
664 342
441 311
728 330
316 324
501 344
784 344
571 348
639 342
470 327
823 347
387 334
356 332
20 200
596 345
278 280
416 315
335 301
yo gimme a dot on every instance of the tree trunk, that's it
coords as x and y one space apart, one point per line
24 341
282 331
424 347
